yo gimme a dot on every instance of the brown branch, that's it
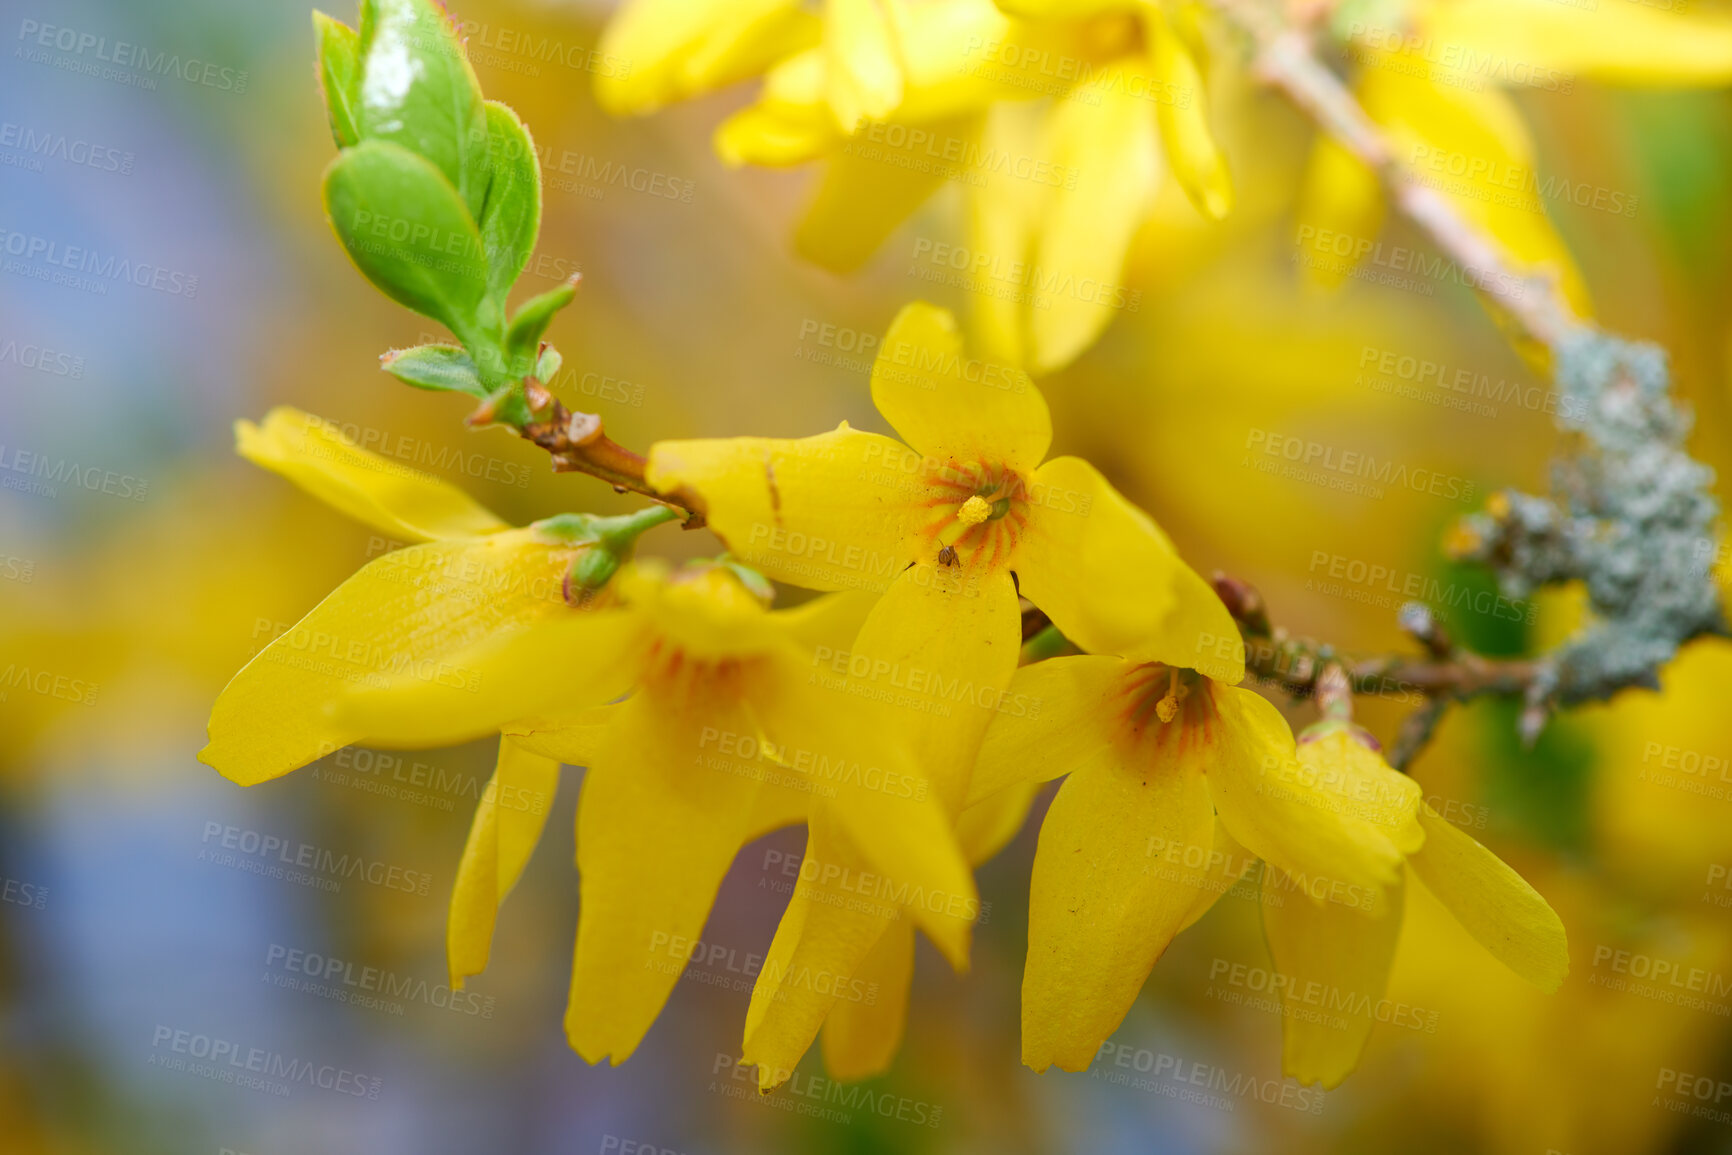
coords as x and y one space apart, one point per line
577 444
1284 60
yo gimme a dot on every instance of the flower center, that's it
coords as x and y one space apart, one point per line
978 513
1165 703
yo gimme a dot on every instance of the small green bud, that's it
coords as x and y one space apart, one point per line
444 368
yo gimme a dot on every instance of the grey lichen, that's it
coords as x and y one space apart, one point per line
1630 515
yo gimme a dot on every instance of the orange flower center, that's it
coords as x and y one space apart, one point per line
977 515
1162 704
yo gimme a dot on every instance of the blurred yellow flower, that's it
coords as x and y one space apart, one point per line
1438 82
1171 772
724 735
944 525
899 96
1337 953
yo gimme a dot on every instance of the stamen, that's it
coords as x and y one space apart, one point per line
974 511
971 513
1168 707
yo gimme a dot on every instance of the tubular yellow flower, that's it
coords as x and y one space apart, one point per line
1436 86
405 611
896 97
856 510
723 737
470 633
1126 851
1345 948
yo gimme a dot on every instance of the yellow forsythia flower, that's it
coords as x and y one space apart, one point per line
899 97
1162 762
940 525
1345 946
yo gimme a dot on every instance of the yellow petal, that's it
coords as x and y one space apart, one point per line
861 772
1003 216
507 825
823 940
1339 196
1103 902
940 661
705 612
861 1035
1182 113
790 124
1332 963
655 52
840 511
575 659
571 736
1436 127
1492 902
869 188
1545 45
983 829
389 496
951 407
1112 582
656 832
1363 788
1273 808
832 620
1066 724
862 59
1228 864
405 614
1106 136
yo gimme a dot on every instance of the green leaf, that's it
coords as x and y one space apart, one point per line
339 77
511 217
548 364
445 368
406 229
418 90
523 337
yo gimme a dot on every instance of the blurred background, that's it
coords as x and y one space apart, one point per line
142 564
